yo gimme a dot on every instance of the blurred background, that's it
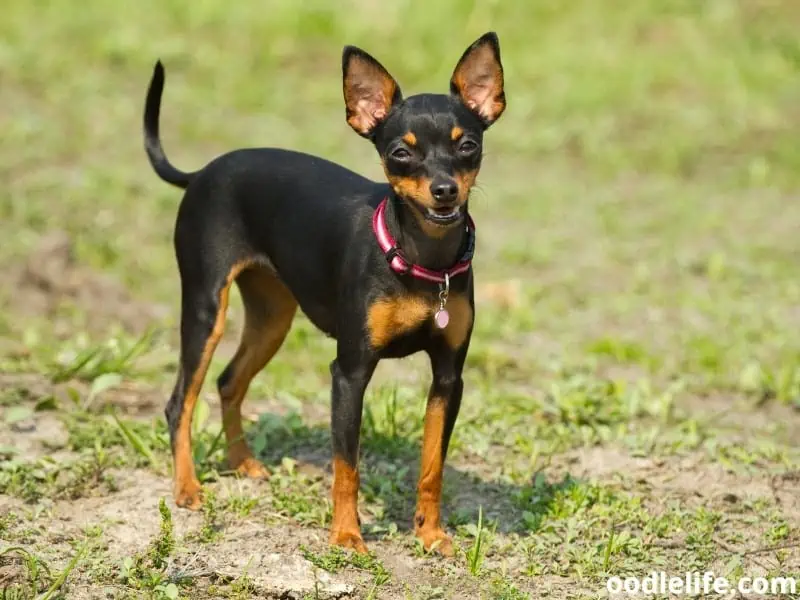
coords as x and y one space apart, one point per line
637 196
637 210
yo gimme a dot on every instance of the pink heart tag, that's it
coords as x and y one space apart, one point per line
442 318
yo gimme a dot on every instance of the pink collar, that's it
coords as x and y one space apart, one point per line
398 262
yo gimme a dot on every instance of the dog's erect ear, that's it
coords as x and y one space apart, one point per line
369 90
478 79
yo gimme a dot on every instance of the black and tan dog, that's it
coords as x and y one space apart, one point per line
382 268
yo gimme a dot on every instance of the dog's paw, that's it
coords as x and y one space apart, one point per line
348 539
189 494
252 468
436 540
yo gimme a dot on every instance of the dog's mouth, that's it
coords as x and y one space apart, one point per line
443 215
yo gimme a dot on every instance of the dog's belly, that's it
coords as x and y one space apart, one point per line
321 317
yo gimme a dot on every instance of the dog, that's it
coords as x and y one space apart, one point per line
383 268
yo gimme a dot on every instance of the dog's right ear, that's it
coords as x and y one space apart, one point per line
369 91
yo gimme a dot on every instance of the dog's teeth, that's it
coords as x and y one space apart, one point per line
433 213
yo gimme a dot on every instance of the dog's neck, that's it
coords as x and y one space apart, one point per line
424 244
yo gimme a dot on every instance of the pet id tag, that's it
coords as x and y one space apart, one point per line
442 317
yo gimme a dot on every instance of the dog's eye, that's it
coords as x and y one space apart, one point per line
401 154
467 147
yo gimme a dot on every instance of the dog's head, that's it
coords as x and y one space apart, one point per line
430 144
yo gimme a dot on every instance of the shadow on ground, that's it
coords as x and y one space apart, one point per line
389 469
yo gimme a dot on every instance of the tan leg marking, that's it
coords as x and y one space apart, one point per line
186 487
427 520
345 530
269 310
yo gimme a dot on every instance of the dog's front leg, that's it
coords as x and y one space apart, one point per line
444 401
350 379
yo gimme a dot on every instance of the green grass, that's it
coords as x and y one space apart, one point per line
38 576
633 381
57 480
146 570
336 559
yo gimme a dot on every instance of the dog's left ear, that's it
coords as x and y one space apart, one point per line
478 79
369 91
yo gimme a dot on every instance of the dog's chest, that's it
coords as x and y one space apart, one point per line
392 317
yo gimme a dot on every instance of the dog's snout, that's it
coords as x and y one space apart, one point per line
444 190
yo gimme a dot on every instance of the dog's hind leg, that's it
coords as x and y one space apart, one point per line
202 325
269 310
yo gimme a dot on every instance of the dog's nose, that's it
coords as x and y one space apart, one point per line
444 191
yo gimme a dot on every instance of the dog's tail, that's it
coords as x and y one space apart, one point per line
152 144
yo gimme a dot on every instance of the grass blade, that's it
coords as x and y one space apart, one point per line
607 553
64 574
134 440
